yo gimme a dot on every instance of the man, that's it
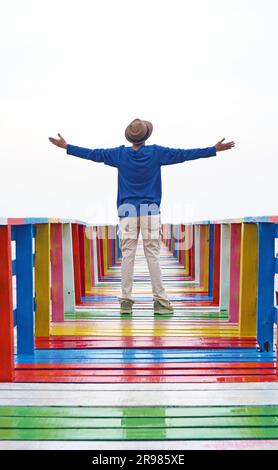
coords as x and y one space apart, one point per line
138 202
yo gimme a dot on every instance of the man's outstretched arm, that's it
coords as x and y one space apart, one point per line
170 156
107 156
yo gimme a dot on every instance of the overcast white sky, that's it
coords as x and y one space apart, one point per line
199 70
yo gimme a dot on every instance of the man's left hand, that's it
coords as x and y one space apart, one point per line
220 146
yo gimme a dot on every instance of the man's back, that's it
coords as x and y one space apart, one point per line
139 181
139 175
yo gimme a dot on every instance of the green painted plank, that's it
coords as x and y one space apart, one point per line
139 434
122 412
143 422
144 314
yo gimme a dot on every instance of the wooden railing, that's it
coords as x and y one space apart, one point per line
235 265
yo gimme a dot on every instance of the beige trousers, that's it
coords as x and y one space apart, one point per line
129 229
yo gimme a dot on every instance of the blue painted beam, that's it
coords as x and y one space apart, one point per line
275 314
13 233
276 265
265 301
14 267
24 291
150 356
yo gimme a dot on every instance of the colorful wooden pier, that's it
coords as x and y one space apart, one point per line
76 374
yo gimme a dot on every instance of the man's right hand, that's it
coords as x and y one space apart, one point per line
58 142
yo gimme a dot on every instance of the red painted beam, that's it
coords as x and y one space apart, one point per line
76 263
254 367
216 267
234 272
81 235
23 376
6 307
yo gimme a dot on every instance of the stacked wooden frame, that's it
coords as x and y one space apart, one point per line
227 266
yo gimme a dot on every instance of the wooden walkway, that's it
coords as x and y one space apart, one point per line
194 379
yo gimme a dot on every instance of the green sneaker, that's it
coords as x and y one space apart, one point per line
164 308
126 306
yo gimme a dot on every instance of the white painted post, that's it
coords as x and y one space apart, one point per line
68 273
95 254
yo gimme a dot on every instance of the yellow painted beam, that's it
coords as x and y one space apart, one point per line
248 280
207 332
187 247
204 257
42 280
88 269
